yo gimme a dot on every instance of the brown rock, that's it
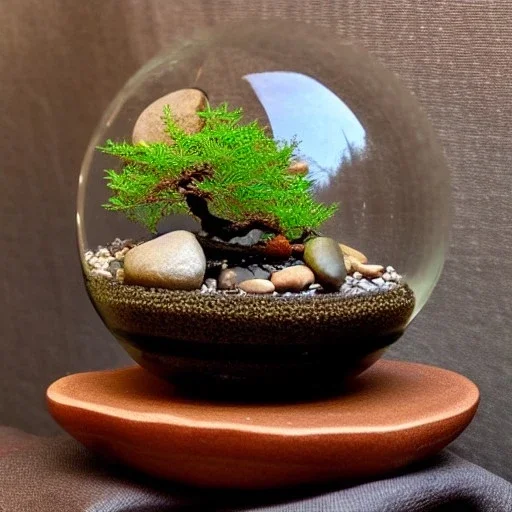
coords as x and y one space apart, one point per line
366 270
349 251
184 105
348 263
293 279
257 286
298 168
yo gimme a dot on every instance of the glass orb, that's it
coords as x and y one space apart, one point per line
366 143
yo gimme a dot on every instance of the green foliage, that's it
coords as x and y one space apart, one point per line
248 175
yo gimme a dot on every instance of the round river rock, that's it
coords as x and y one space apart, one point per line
174 261
257 286
293 279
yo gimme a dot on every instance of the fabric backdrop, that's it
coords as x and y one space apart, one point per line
62 62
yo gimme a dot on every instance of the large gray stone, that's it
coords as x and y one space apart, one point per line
184 105
175 261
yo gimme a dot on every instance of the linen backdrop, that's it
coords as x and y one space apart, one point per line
62 62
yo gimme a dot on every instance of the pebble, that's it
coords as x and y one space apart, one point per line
324 257
259 286
211 284
386 276
390 269
368 270
345 287
101 272
184 105
349 251
88 255
367 286
379 281
113 267
357 275
120 275
119 255
315 286
120 245
293 279
229 278
174 261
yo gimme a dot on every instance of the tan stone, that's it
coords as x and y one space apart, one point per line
298 168
174 261
349 251
366 270
260 286
184 105
348 263
293 279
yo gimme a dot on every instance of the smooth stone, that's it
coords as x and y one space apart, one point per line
113 267
293 279
184 105
379 281
325 258
175 261
230 278
395 413
367 270
259 286
350 251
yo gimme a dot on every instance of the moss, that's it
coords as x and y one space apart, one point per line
232 176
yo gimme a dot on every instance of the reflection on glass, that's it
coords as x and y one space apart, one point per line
300 107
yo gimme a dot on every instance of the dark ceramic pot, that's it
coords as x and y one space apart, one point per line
252 345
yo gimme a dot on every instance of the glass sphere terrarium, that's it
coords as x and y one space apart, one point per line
259 211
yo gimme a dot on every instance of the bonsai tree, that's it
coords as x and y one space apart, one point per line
233 177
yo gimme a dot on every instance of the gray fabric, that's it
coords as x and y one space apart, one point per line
59 474
62 62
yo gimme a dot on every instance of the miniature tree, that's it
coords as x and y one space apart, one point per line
232 177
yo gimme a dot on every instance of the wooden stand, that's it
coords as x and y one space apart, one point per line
393 414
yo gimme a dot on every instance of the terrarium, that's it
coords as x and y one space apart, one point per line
261 211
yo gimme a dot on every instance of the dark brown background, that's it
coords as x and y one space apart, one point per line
61 63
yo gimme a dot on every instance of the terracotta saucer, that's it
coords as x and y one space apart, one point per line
393 414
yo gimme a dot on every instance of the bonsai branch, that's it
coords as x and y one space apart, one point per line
197 202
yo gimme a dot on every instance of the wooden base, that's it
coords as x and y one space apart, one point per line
393 414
